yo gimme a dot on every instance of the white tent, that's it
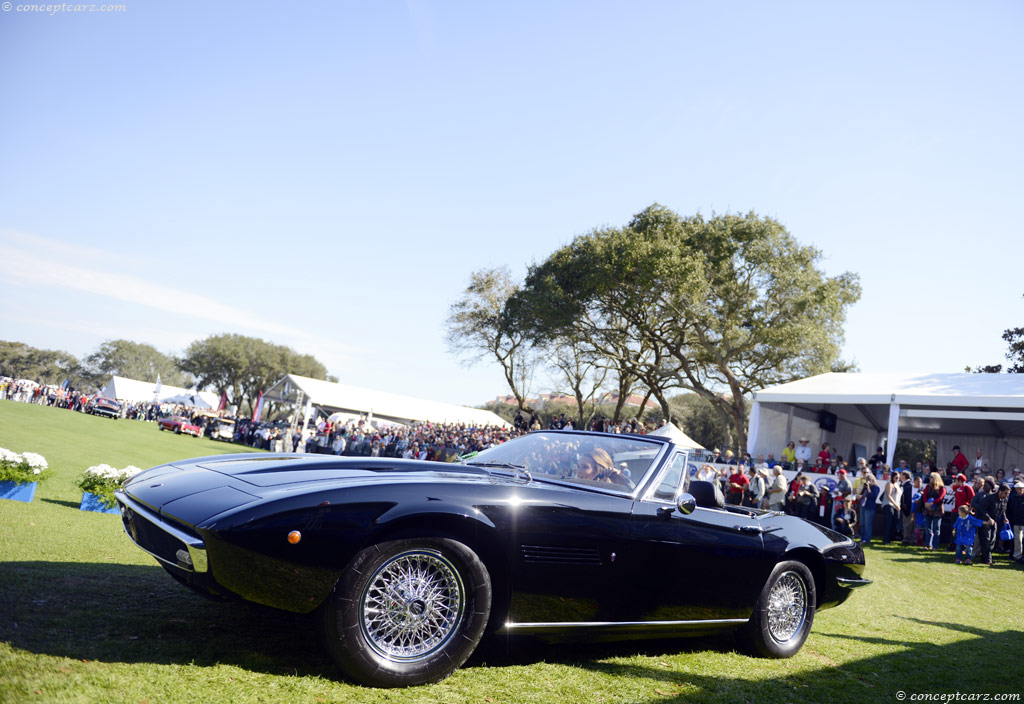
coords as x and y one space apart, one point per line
135 391
331 397
857 412
187 399
677 436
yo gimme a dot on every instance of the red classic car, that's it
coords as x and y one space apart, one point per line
179 424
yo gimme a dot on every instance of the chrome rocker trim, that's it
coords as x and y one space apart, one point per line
653 626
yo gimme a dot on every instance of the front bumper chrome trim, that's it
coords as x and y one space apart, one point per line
851 583
196 547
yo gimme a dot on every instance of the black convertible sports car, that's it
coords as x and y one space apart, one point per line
562 535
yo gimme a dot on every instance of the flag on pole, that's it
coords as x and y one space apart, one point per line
223 401
156 391
257 412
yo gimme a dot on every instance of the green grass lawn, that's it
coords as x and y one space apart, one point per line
85 616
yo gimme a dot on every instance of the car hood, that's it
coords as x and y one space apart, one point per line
286 469
196 489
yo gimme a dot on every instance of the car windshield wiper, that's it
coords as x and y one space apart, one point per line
518 468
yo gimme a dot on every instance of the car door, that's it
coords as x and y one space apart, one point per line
709 564
564 555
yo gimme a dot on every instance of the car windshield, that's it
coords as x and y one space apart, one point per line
618 462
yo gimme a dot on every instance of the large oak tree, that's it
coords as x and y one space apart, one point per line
721 306
242 366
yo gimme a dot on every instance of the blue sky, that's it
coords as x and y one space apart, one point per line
327 175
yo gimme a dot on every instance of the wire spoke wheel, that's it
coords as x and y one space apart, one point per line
412 605
787 607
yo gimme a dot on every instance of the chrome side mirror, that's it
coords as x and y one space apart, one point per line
686 503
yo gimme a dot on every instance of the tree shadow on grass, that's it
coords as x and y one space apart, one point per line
975 664
134 614
59 502
138 614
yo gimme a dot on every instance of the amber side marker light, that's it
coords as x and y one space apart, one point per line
294 537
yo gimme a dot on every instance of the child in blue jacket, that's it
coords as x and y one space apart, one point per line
963 534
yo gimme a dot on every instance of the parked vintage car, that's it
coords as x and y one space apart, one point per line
563 535
221 429
179 424
100 406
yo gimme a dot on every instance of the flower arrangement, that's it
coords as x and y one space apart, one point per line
102 480
22 468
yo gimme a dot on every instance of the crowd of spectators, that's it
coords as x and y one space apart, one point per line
912 503
441 442
29 392
70 398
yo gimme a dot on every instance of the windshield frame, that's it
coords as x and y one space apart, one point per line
662 445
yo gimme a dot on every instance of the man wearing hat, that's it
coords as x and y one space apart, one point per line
1015 515
777 490
755 491
959 460
803 451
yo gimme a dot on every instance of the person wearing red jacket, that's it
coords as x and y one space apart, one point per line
737 483
826 453
962 491
959 460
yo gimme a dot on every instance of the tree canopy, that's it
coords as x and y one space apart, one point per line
21 361
1014 338
721 306
236 365
134 360
242 367
479 327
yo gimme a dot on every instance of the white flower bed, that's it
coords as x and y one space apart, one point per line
102 480
21 468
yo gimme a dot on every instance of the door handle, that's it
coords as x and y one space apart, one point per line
757 530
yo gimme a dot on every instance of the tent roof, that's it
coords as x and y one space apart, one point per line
133 390
943 390
929 404
678 437
332 396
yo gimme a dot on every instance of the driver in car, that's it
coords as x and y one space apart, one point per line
597 466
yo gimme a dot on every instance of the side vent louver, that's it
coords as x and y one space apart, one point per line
552 555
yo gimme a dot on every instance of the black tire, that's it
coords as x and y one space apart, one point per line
781 621
418 640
